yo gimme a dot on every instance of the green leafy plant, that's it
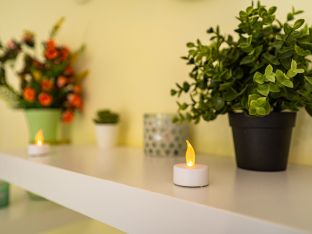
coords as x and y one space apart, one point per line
267 68
106 117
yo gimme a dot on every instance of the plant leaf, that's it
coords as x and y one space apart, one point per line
274 88
308 79
298 23
287 28
269 74
291 73
301 51
218 103
225 85
258 78
293 65
57 27
288 83
190 45
247 59
230 95
263 89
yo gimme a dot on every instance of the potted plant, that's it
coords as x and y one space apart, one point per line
261 78
49 86
106 128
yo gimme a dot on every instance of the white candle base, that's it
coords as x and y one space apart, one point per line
36 150
196 176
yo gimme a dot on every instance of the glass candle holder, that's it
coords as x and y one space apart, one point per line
162 137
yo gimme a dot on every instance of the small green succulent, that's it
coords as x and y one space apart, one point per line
106 117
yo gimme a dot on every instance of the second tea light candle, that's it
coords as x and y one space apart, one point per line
190 174
196 176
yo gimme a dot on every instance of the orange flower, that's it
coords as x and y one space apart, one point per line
61 81
50 44
69 71
46 85
45 99
29 94
50 50
67 116
77 88
75 100
64 53
50 53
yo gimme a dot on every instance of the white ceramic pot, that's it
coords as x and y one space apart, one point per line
106 135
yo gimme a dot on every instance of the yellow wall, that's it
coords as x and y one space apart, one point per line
133 50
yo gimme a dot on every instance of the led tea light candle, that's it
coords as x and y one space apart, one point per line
39 148
190 174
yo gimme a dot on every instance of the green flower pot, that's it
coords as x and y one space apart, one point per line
4 194
46 119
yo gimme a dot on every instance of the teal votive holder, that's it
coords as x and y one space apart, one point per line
4 194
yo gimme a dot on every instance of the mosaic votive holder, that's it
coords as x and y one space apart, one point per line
162 137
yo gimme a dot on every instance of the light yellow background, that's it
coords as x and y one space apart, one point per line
133 53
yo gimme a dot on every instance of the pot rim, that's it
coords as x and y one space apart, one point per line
273 120
105 124
41 109
159 115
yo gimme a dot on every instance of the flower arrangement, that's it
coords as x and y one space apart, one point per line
46 79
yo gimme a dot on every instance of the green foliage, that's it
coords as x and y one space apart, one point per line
265 69
57 27
9 55
106 117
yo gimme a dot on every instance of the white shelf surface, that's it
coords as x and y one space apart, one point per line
135 193
28 216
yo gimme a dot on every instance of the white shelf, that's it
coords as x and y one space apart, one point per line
27 216
134 193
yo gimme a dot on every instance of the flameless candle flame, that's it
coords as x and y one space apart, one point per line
39 139
189 155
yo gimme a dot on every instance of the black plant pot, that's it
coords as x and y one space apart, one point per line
262 143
